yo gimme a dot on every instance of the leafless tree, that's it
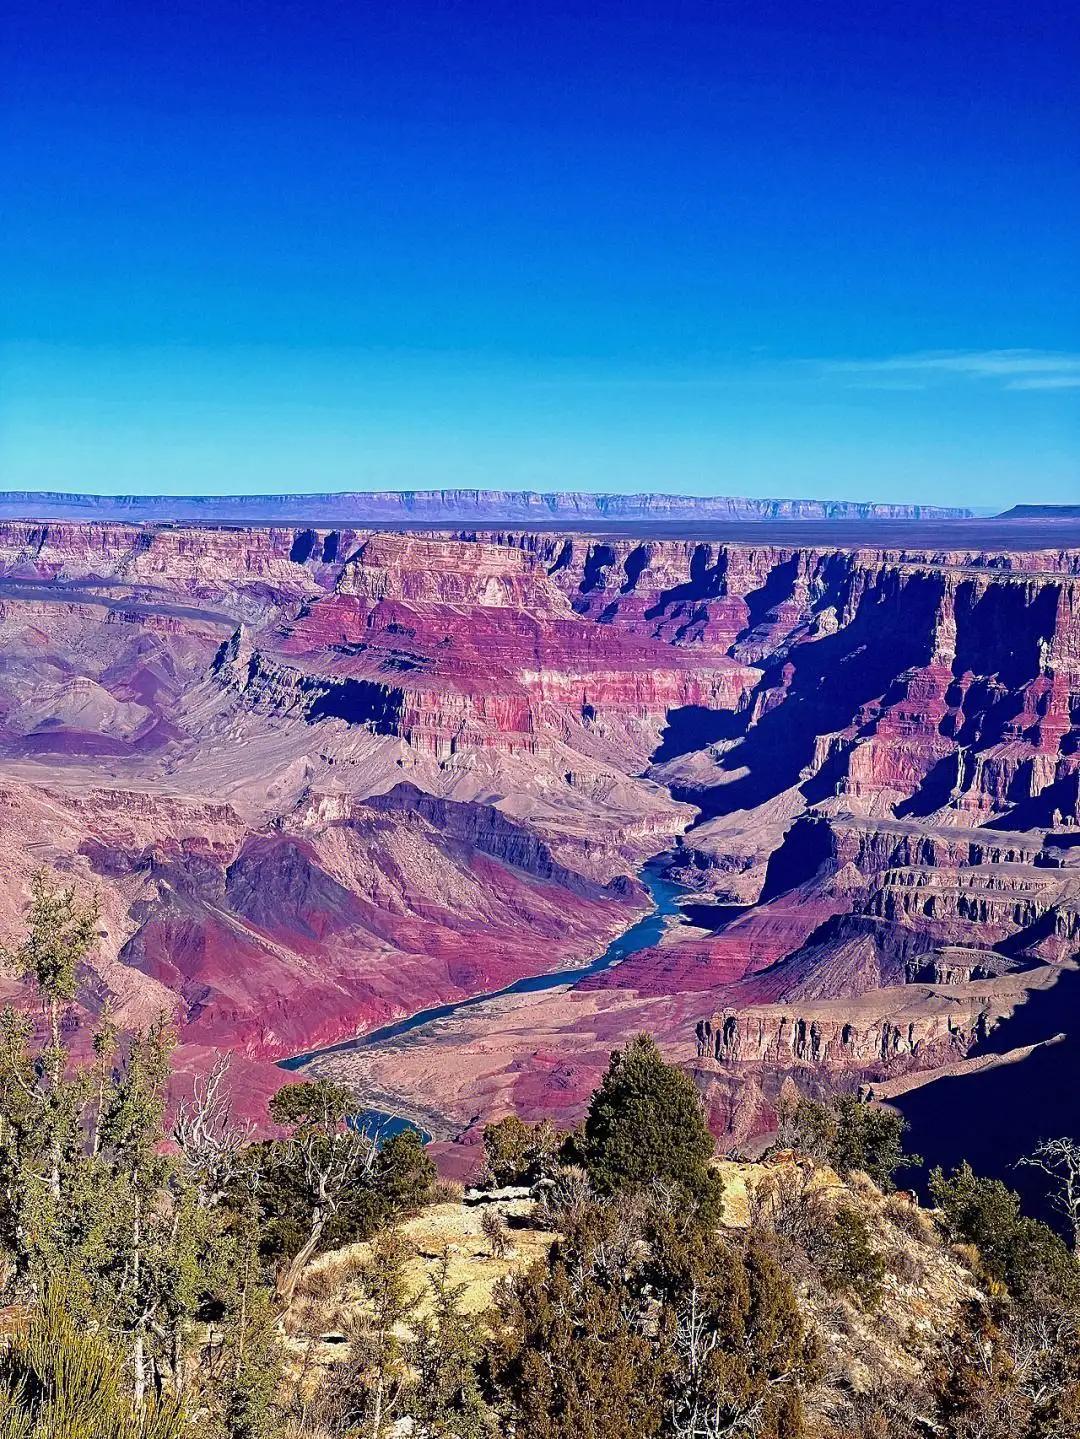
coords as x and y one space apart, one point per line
1060 1159
1036 1339
788 1200
209 1140
494 1229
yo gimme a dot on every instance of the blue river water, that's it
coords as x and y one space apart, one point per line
647 931
991 1119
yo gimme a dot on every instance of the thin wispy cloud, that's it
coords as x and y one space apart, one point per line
1013 369
1046 382
1017 369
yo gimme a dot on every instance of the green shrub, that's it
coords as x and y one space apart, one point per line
61 1381
851 1135
846 1259
1023 1253
520 1153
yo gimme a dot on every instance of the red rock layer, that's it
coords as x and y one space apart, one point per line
350 774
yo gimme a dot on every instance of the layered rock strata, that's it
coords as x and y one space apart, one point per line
326 776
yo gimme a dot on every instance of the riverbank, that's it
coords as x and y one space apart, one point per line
346 1060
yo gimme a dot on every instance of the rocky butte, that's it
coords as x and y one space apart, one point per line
326 776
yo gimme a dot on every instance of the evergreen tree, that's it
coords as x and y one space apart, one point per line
447 1399
520 1153
638 1324
849 1134
322 1161
646 1126
93 1211
372 1389
1023 1253
571 1357
248 1389
736 1354
60 1381
61 932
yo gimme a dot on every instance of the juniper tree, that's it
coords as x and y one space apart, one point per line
850 1134
324 1155
371 1390
91 1207
646 1126
520 1153
445 1355
61 930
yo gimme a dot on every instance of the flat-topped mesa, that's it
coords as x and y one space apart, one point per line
422 571
449 504
183 561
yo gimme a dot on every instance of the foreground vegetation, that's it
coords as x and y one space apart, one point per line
163 1275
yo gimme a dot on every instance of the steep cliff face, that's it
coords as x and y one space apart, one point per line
182 562
412 766
457 647
839 1037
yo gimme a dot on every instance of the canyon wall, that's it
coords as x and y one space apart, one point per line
328 776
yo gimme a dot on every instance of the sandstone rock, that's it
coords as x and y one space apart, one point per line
326 776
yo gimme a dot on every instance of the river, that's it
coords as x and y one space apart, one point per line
990 1118
647 931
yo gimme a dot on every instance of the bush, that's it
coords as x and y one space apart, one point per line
57 1379
904 1266
520 1153
637 1325
493 1227
851 1135
846 1258
1024 1254
910 1219
788 1201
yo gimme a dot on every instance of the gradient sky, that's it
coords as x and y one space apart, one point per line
763 248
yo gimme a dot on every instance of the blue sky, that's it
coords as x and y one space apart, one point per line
761 248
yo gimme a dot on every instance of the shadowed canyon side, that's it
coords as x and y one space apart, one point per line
328 777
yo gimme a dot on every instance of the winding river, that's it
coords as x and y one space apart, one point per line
990 1118
666 897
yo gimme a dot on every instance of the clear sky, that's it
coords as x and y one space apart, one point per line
803 248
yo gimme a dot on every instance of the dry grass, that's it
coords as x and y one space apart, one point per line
455 1230
864 1347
